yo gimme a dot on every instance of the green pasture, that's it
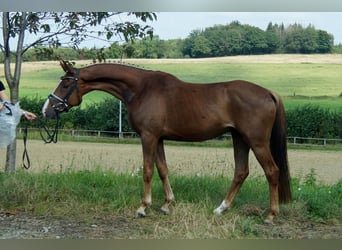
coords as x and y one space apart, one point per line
299 84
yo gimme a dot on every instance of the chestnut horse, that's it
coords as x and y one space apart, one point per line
162 107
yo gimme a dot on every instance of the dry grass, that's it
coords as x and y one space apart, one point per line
127 158
281 58
188 221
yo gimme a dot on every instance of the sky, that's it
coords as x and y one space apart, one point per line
171 25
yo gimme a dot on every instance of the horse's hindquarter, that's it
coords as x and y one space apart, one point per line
252 109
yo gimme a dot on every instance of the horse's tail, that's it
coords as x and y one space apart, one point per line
278 146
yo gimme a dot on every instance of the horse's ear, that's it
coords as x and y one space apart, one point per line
66 66
63 65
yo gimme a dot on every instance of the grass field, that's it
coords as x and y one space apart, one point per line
298 78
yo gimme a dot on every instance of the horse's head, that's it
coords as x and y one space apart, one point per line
66 94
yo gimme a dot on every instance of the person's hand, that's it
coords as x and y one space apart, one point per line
29 116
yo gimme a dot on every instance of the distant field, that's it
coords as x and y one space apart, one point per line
301 78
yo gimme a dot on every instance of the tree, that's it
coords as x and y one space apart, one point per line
325 42
272 38
309 40
254 40
201 47
49 28
189 41
294 39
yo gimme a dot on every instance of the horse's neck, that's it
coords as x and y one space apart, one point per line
120 81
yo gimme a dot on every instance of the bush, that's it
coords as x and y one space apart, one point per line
314 121
99 116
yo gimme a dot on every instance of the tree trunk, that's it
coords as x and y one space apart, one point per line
12 148
13 80
11 157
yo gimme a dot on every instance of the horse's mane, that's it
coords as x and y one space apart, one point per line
72 65
119 63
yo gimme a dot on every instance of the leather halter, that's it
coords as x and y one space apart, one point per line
61 104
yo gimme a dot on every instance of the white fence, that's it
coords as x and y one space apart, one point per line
312 141
295 140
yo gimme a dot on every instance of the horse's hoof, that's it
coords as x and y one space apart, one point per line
140 214
221 208
217 211
268 222
269 219
165 210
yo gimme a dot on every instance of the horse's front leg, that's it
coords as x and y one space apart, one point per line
149 155
163 174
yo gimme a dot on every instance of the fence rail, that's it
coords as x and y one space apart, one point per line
295 140
313 141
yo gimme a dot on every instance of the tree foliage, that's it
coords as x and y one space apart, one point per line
238 39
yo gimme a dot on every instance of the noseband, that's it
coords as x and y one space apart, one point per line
61 104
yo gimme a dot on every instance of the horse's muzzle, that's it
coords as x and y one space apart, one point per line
48 111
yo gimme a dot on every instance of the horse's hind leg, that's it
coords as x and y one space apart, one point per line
163 174
263 154
241 151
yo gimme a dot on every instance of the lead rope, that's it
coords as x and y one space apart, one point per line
51 137
26 158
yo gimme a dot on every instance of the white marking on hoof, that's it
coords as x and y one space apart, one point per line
221 208
140 213
268 222
165 210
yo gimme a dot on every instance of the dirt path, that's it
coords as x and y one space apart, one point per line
25 226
